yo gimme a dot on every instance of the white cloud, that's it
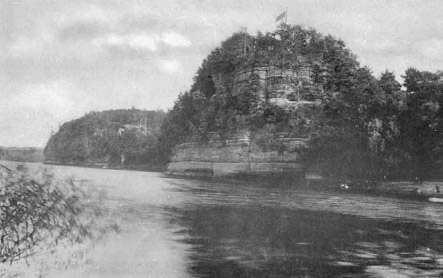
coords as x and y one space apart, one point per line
133 41
142 41
170 66
175 40
112 39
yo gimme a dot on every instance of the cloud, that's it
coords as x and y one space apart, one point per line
170 66
142 41
138 42
175 40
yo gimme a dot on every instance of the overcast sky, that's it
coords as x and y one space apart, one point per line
61 59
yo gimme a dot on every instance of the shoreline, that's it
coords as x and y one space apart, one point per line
140 168
396 188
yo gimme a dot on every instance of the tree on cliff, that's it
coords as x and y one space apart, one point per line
384 132
217 109
346 90
363 127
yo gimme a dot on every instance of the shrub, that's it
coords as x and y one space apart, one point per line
38 214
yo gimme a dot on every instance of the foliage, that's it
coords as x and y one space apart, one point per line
421 123
115 136
36 213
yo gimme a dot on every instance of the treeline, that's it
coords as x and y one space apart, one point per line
125 136
364 126
382 131
22 154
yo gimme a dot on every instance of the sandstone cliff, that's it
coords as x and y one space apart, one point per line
236 156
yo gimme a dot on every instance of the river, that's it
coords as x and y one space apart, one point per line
172 227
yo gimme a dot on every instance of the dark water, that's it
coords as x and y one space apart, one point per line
246 230
193 228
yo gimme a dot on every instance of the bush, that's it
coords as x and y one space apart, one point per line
38 214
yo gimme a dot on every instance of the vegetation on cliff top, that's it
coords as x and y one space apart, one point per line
364 127
211 108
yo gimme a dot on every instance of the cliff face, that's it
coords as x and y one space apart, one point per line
237 156
259 86
284 87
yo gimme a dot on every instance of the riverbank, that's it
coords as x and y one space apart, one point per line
401 189
139 167
425 189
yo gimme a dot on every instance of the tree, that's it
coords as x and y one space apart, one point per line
421 123
340 144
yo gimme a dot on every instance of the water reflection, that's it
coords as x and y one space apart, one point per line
259 231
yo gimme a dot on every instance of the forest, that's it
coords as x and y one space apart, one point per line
365 126
119 137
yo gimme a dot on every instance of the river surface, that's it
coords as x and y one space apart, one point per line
172 227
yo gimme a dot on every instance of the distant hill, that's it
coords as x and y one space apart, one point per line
120 137
22 154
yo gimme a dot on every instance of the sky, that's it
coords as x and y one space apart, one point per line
60 59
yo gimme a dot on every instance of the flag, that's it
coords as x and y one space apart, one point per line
280 17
